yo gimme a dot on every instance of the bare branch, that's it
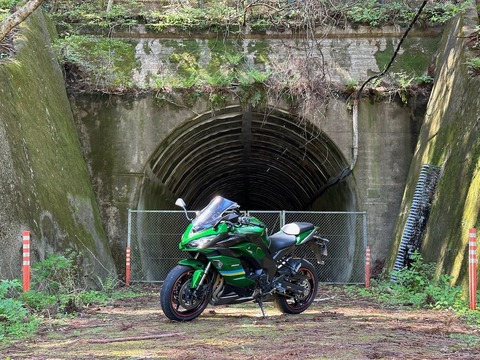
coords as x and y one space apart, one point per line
18 17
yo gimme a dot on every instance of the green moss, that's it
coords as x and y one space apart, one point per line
415 57
51 172
383 56
107 63
449 139
261 50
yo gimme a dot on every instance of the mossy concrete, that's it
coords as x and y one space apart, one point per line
48 188
45 187
449 139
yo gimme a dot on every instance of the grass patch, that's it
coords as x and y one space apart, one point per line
417 287
56 293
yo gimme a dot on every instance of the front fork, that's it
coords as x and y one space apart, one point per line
199 277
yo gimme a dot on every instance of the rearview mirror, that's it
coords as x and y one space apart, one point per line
181 203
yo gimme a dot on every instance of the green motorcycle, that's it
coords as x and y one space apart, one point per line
234 261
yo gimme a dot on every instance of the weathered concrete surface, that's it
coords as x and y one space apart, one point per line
120 135
449 139
44 184
343 55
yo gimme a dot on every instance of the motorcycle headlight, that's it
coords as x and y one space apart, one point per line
200 243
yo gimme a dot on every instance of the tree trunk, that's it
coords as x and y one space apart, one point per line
18 17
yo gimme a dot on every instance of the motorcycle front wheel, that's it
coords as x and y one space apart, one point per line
305 277
179 302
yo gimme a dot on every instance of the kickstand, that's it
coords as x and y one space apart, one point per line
260 304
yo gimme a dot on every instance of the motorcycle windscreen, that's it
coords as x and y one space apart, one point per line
212 213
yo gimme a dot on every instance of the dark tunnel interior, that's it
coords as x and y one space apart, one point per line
263 159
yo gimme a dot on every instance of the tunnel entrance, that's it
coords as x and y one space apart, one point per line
267 161
263 159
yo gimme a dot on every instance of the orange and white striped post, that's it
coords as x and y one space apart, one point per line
472 267
127 266
367 267
26 260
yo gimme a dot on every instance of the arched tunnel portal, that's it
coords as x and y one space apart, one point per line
261 159
264 159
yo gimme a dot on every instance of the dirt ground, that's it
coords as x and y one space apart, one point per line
336 326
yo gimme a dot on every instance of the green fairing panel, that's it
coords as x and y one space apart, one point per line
249 249
193 263
231 269
257 230
303 235
197 275
189 236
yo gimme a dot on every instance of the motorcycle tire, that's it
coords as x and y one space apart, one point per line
306 277
177 299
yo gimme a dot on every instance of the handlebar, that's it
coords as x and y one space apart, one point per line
244 221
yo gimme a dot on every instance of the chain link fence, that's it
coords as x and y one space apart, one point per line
153 238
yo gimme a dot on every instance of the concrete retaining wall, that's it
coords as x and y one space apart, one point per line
449 139
44 184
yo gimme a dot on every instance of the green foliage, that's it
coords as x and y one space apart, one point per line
351 86
8 4
372 13
417 286
69 14
39 302
5 6
109 62
189 18
57 290
57 274
15 320
224 16
441 12
424 79
368 13
404 81
474 66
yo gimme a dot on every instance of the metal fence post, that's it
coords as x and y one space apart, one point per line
127 250
367 267
472 267
26 260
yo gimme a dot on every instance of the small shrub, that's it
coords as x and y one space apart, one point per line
55 275
15 321
417 286
367 13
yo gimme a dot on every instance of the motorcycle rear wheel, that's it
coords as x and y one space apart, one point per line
306 277
177 298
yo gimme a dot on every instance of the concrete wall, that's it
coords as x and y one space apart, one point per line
45 173
120 133
449 139
342 56
44 184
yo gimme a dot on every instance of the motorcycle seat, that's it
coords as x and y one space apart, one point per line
287 236
297 228
280 240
